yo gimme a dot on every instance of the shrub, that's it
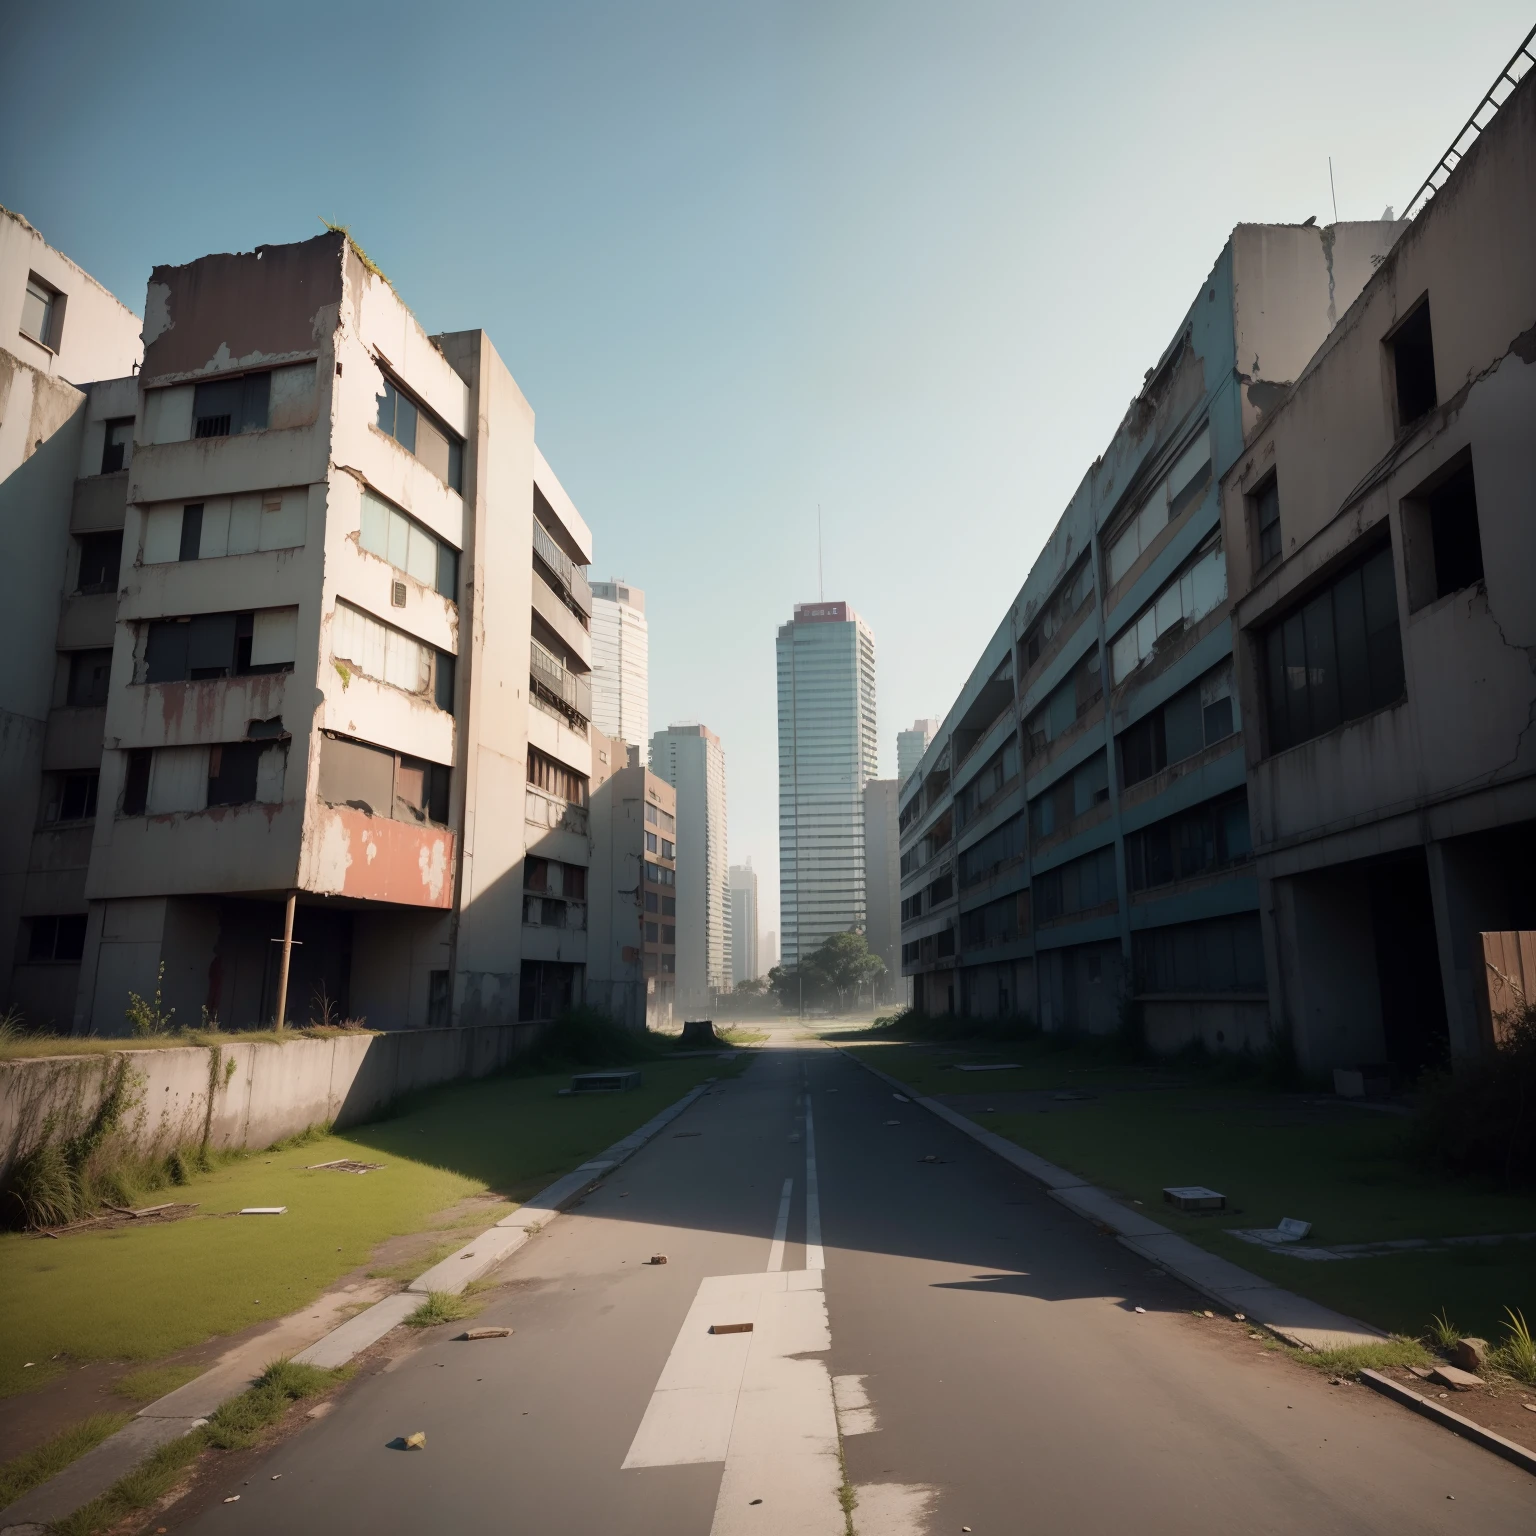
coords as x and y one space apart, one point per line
1481 1118
588 1037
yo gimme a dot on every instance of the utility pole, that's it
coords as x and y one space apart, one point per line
282 964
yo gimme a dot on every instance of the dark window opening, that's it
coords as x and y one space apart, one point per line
136 781
206 646
90 672
669 906
1454 533
554 778
383 783
1413 362
1337 657
232 772
1266 519
101 558
1222 954
117 445
74 798
1083 885
421 435
191 531
442 682
652 902
546 989
56 938
227 407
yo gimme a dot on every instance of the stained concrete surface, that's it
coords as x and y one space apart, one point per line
995 1332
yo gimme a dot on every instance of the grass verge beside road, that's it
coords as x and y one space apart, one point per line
138 1294
1135 1129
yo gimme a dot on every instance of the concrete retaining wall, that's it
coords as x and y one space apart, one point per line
249 1094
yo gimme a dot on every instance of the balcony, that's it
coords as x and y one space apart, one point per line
570 579
565 689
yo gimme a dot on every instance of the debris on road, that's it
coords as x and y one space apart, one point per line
471 1334
1194 1197
657 1258
1141 1309
264 1210
1456 1378
416 1442
234 1498
730 1327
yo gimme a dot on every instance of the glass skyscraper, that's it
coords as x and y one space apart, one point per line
620 662
827 750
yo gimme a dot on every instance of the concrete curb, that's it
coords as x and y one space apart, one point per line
1298 1321
1451 1421
164 1420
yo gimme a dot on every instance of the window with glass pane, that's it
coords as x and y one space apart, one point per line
1337 657
37 312
387 532
1266 517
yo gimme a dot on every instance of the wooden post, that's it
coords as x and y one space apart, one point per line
282 967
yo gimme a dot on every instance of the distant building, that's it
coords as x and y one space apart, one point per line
620 662
910 746
827 749
744 966
632 901
882 882
770 951
691 760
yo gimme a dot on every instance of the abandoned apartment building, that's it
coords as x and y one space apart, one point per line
1381 535
311 623
1252 753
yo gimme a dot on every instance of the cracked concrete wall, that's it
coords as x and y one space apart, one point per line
1457 756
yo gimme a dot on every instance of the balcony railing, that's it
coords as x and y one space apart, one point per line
565 687
570 575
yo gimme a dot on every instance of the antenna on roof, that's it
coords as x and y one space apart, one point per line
1331 190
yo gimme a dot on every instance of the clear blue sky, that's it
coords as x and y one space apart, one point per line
909 261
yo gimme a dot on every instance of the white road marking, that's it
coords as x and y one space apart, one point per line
780 1230
815 1257
855 1413
894 1509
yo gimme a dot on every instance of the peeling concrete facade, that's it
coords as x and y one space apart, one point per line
1394 802
349 652
60 331
1075 838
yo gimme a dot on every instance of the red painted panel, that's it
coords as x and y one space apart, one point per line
377 859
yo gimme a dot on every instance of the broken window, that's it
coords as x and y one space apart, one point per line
555 778
214 645
1336 657
1199 589
70 797
1266 522
101 557
56 938
1413 365
228 407
1183 484
389 655
136 781
1454 534
117 445
421 434
393 536
384 783
90 672
1059 610
41 312
1195 718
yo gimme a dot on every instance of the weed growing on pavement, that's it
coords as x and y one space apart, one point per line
236 1424
1355 1358
441 1307
23 1473
847 1494
1517 1354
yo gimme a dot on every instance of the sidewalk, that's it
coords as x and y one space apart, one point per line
317 1338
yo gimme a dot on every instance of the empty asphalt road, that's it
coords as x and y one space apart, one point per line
981 1342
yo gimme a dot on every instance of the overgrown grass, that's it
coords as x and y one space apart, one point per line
235 1425
735 1034
442 1307
16 1045
106 1295
22 1473
155 1381
1348 1171
1517 1354
1364 1357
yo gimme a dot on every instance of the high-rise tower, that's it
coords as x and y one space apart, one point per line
620 662
827 750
